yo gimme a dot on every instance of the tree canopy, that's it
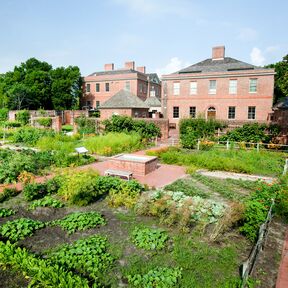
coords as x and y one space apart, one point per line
281 78
35 84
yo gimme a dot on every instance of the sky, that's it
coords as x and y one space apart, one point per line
163 35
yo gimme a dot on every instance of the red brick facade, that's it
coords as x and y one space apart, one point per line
213 92
101 86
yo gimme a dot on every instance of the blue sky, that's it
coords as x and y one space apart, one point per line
163 35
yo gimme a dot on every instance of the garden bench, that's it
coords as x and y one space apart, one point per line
126 174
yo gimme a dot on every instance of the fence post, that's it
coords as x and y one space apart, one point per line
227 145
155 141
198 144
285 166
258 147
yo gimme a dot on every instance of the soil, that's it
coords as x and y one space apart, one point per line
267 265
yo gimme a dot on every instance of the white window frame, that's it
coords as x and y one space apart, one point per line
176 88
253 82
97 85
193 88
233 86
88 88
212 90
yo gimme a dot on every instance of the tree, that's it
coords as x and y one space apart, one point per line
281 78
19 96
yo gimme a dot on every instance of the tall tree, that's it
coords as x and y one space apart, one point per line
281 78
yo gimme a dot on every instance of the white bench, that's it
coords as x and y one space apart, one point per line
120 173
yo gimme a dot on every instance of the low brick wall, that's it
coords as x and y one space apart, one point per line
56 123
140 168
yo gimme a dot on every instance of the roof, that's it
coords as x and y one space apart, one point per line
283 104
153 77
124 99
153 102
114 72
224 65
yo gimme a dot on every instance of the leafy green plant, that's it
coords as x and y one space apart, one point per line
86 256
42 273
23 116
86 125
20 228
5 212
45 121
3 114
10 124
8 193
47 201
158 278
80 221
33 191
149 239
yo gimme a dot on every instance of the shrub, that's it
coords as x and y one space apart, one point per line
45 121
23 116
160 278
20 228
8 193
86 125
80 221
126 124
197 128
149 239
11 124
3 114
33 191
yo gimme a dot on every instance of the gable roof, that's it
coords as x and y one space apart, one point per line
282 104
153 102
124 99
224 65
153 77
114 72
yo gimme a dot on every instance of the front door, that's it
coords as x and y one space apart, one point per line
211 113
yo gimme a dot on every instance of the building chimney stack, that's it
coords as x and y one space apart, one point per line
109 67
141 69
130 65
218 53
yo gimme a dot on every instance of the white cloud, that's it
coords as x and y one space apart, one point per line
156 7
257 57
174 65
247 34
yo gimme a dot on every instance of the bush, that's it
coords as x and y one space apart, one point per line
254 133
8 193
23 117
4 114
11 124
34 191
45 121
86 125
149 239
20 228
192 129
126 124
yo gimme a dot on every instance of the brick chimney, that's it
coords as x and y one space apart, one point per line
109 67
218 53
141 69
130 65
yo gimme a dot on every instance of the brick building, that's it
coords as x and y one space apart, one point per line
221 88
101 86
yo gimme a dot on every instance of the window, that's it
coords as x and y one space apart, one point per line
233 87
97 104
251 112
176 88
87 87
97 87
212 86
88 103
152 93
192 112
253 85
107 88
231 112
193 88
127 86
176 112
